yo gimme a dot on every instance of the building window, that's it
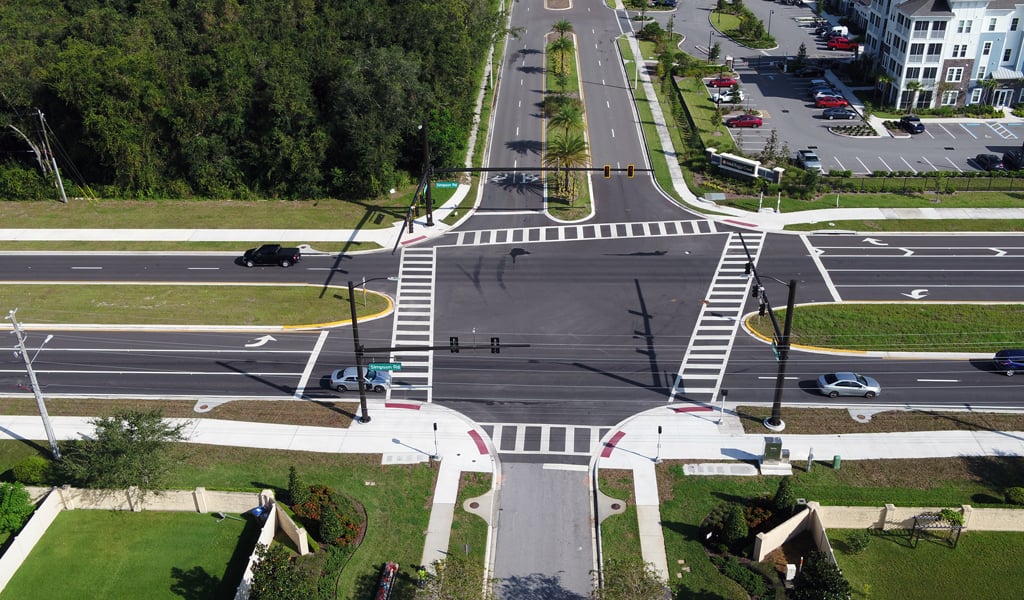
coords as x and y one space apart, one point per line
930 72
934 49
1013 23
939 26
916 49
949 97
920 25
976 95
913 73
986 49
1006 55
981 72
991 24
959 51
954 74
963 26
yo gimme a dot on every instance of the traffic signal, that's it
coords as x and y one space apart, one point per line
453 344
761 308
630 170
755 291
607 171
748 268
495 346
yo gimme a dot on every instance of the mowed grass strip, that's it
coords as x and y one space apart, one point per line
319 413
903 327
832 421
121 554
204 304
985 564
620 534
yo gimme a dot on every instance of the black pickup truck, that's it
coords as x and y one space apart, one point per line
271 254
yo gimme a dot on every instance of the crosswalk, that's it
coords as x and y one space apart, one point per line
707 354
596 231
414 322
546 439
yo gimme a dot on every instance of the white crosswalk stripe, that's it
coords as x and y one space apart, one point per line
705 359
537 438
598 231
414 323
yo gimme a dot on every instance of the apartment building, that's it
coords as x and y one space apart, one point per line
934 53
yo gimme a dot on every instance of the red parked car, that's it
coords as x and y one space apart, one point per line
830 101
841 43
722 82
745 121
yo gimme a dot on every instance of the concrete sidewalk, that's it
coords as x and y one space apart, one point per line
636 445
402 433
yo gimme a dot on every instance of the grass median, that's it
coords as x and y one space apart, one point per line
195 305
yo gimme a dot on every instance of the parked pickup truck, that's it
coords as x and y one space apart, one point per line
271 254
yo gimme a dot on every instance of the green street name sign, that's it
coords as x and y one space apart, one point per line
384 366
446 184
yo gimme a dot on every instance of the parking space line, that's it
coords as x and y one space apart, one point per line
908 165
948 132
885 163
867 171
841 167
925 158
954 164
965 126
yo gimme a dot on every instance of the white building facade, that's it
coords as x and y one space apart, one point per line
945 52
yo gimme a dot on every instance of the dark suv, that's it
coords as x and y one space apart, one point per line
1010 361
1013 160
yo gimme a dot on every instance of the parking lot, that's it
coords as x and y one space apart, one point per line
782 101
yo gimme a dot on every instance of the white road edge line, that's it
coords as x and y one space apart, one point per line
816 257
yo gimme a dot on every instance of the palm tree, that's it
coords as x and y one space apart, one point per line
882 82
989 85
564 152
562 46
562 27
569 116
915 87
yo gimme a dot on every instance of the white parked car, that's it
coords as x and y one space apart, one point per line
728 96
344 380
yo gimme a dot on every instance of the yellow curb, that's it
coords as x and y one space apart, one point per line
390 308
757 334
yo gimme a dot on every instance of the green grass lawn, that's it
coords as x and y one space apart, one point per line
397 498
904 327
985 564
105 554
935 482
189 304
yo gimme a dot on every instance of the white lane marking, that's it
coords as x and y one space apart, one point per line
885 163
866 169
925 159
816 257
964 127
908 165
938 380
86 268
558 467
950 161
300 389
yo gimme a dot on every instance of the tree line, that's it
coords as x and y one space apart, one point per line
238 98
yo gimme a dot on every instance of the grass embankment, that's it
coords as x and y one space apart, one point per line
204 304
935 482
119 554
397 499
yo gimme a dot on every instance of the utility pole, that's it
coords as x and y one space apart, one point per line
20 332
364 416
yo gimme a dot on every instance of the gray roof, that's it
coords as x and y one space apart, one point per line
1003 4
926 8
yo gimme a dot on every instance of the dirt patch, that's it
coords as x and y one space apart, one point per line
792 552
557 4
838 421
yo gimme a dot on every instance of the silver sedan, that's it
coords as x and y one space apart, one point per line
848 384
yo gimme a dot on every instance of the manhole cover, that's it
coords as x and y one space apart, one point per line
204 406
474 505
616 506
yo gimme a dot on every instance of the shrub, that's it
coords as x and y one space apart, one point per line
820 579
15 506
951 515
298 491
785 499
735 527
32 470
752 582
1015 495
858 541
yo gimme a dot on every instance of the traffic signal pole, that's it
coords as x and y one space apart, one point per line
364 415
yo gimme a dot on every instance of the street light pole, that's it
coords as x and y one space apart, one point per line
20 332
428 171
364 416
710 33
770 13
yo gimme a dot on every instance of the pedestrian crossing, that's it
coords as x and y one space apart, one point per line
706 356
595 231
414 322
535 438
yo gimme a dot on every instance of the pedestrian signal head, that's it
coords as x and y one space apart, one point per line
630 170
607 171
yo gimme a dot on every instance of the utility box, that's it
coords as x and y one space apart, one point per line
837 462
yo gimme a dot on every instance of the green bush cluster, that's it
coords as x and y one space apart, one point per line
32 470
1015 496
752 582
858 541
